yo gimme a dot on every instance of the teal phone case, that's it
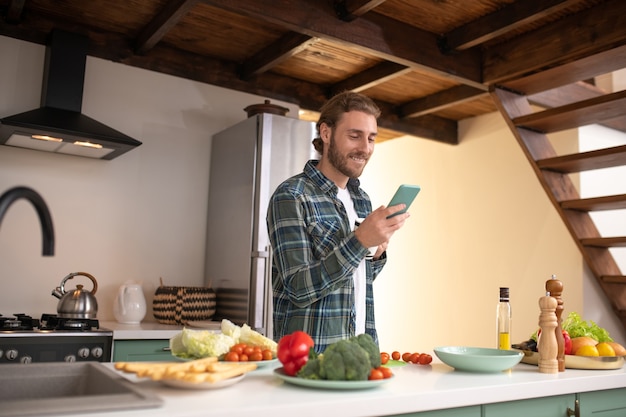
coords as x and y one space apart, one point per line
406 193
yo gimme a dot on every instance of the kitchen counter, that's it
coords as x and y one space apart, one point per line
152 330
143 330
414 388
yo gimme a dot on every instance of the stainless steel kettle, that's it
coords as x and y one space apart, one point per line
78 303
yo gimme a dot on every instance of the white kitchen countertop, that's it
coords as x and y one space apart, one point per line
414 388
153 330
143 330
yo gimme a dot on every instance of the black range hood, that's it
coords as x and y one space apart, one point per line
58 125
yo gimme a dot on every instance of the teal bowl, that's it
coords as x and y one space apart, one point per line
477 359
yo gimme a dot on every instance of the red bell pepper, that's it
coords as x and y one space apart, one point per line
567 343
293 351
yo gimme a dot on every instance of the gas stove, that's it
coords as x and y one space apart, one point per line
24 339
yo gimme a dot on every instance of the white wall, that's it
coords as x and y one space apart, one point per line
481 221
141 216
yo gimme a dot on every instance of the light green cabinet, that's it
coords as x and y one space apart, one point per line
141 350
555 406
607 403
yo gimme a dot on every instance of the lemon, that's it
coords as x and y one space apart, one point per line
587 350
605 349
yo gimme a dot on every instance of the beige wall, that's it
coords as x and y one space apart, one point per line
480 222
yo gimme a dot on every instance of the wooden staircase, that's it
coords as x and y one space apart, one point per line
563 105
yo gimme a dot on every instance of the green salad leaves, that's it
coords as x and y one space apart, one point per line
577 327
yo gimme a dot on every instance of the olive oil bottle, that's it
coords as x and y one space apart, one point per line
503 320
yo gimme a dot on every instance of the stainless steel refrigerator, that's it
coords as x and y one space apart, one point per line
248 161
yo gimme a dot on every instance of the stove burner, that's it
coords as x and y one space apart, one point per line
54 322
19 321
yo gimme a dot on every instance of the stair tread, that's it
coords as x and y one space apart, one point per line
614 279
585 161
581 113
605 242
611 202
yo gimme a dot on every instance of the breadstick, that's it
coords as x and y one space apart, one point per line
200 370
237 370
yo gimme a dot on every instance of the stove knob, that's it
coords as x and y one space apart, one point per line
26 359
97 352
83 353
12 354
70 358
1 353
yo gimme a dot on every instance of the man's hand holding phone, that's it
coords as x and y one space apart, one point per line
377 228
405 194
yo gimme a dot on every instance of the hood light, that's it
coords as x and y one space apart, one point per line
47 138
88 144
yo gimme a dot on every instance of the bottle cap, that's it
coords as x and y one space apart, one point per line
504 293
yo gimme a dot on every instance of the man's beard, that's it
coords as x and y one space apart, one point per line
341 162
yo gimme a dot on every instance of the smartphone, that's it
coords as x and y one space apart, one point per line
406 193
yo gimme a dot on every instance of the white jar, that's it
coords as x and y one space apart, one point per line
129 306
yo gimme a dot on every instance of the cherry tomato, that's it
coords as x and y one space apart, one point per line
384 357
248 350
406 356
243 358
232 357
256 356
375 374
238 349
267 355
425 359
395 355
414 358
387 372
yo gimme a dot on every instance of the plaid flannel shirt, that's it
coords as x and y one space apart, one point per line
315 254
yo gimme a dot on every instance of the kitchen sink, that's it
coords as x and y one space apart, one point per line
65 388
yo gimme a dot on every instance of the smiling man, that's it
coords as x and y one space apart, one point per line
321 275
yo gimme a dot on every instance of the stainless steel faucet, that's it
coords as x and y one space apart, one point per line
47 231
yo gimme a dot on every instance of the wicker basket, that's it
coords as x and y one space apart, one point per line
180 305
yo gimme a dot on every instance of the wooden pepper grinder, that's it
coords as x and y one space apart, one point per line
547 346
555 288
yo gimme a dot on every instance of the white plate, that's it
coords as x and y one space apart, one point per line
176 383
263 364
259 364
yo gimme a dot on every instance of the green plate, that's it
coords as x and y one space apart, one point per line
478 359
324 384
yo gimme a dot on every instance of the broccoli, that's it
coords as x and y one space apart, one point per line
367 343
311 369
345 360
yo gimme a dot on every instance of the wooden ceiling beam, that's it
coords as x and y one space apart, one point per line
592 31
165 20
503 20
15 10
374 34
284 48
426 127
348 10
371 77
441 100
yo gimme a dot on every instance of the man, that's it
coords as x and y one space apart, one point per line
321 280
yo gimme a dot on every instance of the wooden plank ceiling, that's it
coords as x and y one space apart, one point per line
427 63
